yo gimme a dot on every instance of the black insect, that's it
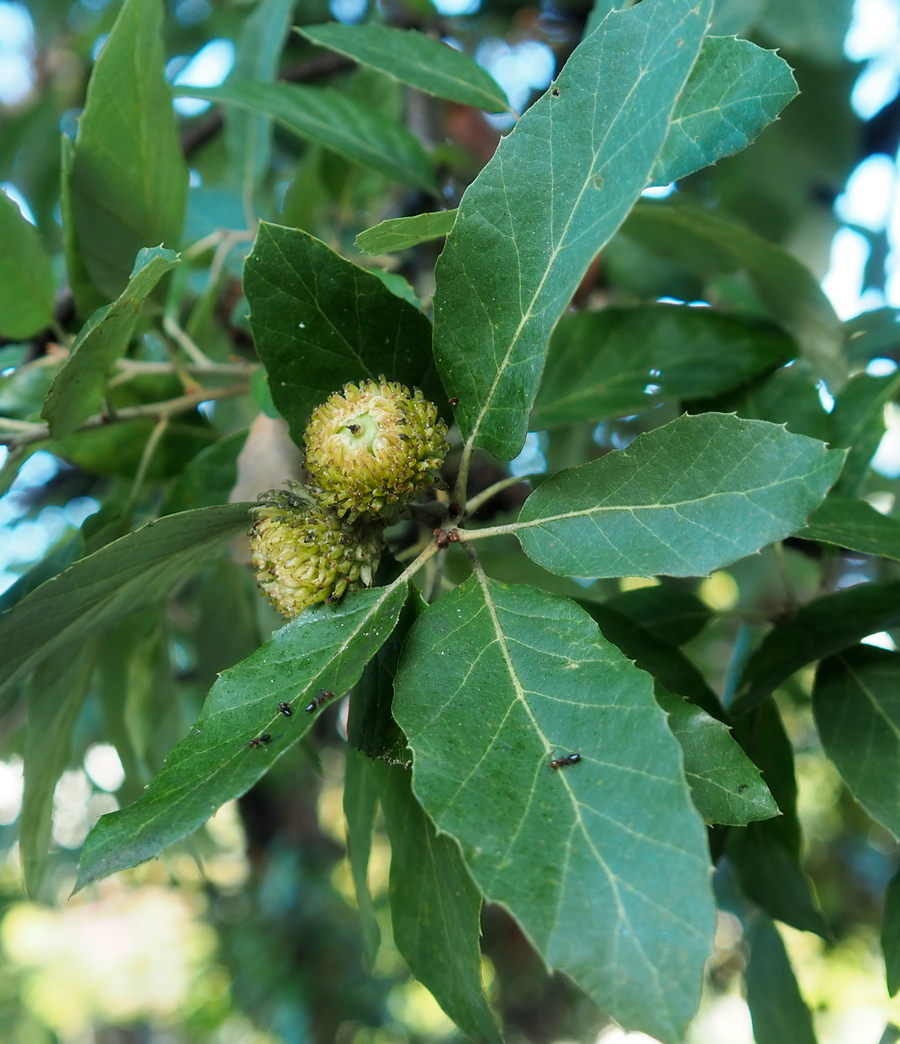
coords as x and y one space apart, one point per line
742 787
566 759
285 709
260 740
322 697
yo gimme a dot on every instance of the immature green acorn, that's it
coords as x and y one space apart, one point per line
372 446
304 554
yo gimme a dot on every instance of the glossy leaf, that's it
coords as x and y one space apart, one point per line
854 524
360 806
555 191
77 390
777 1008
734 91
128 178
324 648
681 500
435 908
856 702
495 681
27 282
405 232
626 360
786 287
319 321
725 784
249 136
119 579
819 629
334 120
413 59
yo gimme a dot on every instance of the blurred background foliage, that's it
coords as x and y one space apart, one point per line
248 933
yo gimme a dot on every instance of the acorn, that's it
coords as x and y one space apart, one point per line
303 553
371 447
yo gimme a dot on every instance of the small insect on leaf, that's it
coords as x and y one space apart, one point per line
321 697
566 759
285 709
260 740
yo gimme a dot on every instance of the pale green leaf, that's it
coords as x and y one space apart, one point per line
856 703
603 863
556 189
735 90
681 500
77 391
334 120
438 933
128 176
119 579
413 59
27 283
405 232
810 27
325 647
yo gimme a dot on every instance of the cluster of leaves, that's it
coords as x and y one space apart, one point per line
462 693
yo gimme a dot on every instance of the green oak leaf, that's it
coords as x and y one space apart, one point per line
624 360
128 180
319 321
603 863
122 577
734 91
413 59
77 390
725 784
360 805
555 191
27 282
332 119
438 933
856 703
854 524
682 500
402 233
324 648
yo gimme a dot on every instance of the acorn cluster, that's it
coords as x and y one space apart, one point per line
370 448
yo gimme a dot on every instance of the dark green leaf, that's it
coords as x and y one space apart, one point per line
682 500
402 233
856 702
734 91
77 390
360 806
853 524
890 935
667 664
788 289
626 360
27 283
777 1008
55 697
319 321
555 191
87 297
332 119
128 178
666 611
495 681
121 578
325 647
857 421
725 784
767 855
209 477
413 59
247 135
435 908
816 630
